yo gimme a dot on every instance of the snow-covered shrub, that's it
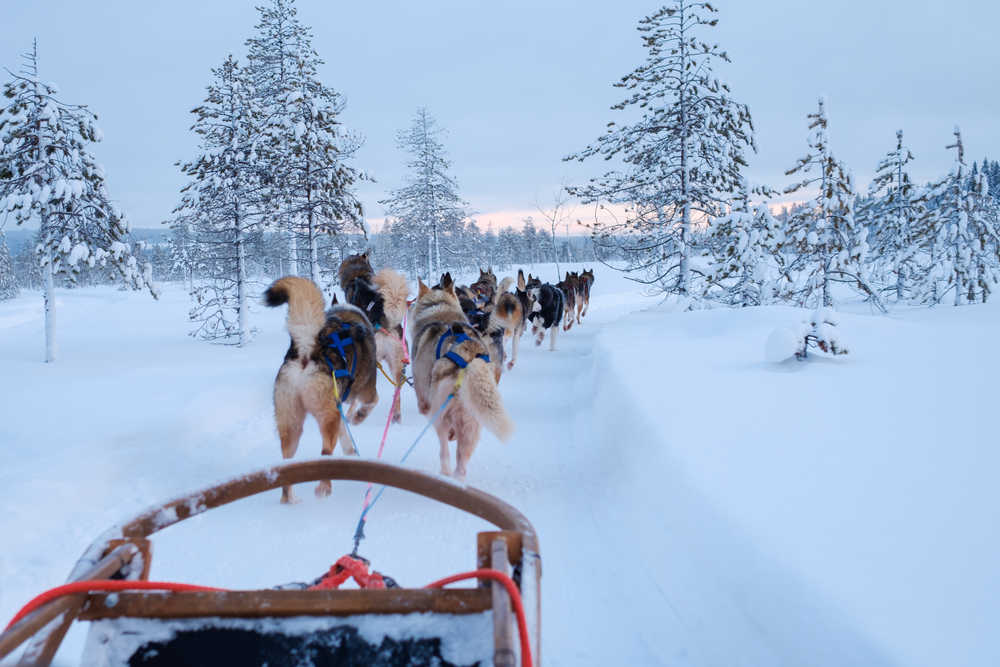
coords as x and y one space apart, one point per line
819 331
8 281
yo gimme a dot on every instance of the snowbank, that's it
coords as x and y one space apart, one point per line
865 484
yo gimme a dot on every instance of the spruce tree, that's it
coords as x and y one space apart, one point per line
682 157
428 208
8 281
49 177
225 203
309 149
743 246
823 236
894 211
962 222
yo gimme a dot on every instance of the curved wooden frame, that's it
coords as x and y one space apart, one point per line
46 638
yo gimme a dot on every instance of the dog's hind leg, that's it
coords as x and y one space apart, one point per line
290 415
364 401
468 439
552 338
329 427
513 349
443 431
399 371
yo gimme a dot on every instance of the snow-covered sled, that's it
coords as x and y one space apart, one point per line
497 622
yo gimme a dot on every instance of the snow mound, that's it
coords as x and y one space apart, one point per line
783 343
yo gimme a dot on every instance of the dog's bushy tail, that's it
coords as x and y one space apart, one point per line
305 309
394 292
502 289
480 396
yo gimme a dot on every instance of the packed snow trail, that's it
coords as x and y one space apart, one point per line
646 559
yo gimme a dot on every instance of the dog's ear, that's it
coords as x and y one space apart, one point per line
447 283
422 289
333 301
520 280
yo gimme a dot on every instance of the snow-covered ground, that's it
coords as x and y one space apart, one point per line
695 504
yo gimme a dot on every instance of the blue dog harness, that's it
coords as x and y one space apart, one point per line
452 356
340 344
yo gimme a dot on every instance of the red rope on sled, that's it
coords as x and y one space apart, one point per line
344 568
103 586
515 599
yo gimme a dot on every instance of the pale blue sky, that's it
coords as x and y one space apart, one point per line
518 85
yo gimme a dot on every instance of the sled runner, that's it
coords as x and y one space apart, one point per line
497 622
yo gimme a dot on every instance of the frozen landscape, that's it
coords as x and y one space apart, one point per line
695 503
770 442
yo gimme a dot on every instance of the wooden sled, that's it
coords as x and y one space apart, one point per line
327 627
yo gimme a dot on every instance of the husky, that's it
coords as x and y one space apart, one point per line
389 339
568 285
546 312
512 310
450 357
305 383
495 320
583 293
382 297
485 288
499 324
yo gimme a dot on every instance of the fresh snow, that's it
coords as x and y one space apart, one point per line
696 504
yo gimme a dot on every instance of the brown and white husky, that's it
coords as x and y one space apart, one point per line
305 382
440 335
382 297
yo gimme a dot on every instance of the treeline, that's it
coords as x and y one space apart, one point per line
694 228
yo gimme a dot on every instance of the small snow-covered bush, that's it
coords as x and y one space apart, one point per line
819 331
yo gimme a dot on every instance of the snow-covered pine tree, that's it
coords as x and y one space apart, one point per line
744 253
49 177
966 237
8 281
826 240
318 181
529 250
184 251
309 149
682 157
428 206
507 247
272 59
225 203
894 213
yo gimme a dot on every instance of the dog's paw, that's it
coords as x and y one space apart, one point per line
397 418
324 488
289 499
510 365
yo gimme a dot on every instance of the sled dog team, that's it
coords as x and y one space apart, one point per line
456 346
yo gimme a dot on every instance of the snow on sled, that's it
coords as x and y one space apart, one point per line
134 621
